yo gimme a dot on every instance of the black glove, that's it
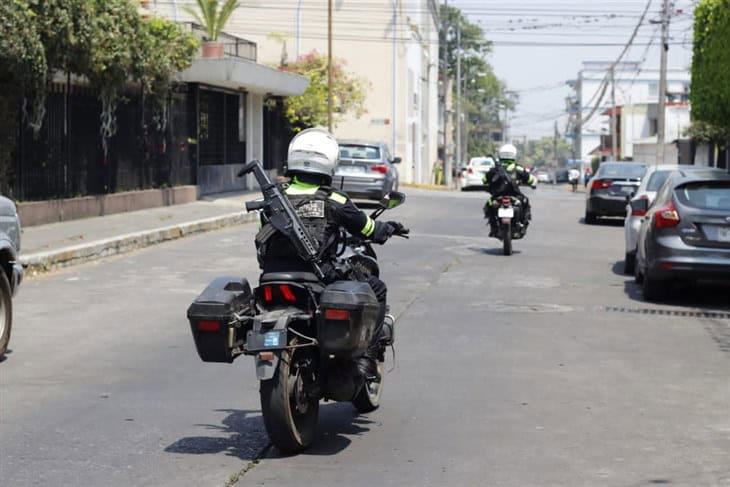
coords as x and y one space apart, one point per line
398 228
383 231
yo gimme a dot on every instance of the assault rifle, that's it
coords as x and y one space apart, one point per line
282 216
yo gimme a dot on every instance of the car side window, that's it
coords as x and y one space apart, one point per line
663 193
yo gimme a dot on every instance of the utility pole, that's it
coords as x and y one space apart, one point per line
556 134
458 94
394 80
444 87
661 116
329 65
614 117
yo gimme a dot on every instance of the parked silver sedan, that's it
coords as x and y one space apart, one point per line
11 273
685 234
366 170
653 180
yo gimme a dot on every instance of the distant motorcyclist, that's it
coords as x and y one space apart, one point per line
503 180
312 158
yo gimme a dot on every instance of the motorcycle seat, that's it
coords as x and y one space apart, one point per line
289 276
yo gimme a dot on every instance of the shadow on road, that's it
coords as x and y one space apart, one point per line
703 295
241 434
492 251
604 222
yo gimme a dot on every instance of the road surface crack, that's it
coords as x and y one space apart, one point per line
235 477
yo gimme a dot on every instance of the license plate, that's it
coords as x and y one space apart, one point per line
506 213
350 170
273 340
723 234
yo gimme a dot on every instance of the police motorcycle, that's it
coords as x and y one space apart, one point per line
305 336
509 219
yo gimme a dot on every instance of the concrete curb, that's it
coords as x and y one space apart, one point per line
78 254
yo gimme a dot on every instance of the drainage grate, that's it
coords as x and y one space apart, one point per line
668 312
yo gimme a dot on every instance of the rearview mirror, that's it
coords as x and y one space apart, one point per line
396 160
639 206
393 200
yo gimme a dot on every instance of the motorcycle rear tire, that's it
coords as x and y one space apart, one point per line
507 238
368 399
290 431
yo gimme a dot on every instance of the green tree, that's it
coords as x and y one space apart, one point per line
213 16
710 94
541 152
310 108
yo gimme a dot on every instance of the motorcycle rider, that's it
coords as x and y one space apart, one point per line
312 158
503 180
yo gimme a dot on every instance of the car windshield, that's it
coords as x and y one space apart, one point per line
710 195
656 180
359 152
482 162
622 171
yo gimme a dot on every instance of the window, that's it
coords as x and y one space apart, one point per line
359 152
654 89
621 171
710 195
653 127
657 179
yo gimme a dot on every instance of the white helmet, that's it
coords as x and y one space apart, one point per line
313 151
508 152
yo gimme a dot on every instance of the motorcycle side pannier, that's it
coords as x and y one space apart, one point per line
349 310
211 317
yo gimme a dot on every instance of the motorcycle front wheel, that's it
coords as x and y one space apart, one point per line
507 238
290 414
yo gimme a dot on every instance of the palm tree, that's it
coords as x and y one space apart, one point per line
214 19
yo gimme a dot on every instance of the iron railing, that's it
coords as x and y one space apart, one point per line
233 46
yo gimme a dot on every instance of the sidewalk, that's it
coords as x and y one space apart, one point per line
45 247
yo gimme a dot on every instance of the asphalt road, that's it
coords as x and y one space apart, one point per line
539 369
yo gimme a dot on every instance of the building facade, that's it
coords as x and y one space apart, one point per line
391 44
637 98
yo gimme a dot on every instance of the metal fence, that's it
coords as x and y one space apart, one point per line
233 46
65 158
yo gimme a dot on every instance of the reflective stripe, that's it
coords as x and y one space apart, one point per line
511 167
520 169
369 228
532 181
298 188
338 198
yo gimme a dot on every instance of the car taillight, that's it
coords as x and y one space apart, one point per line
337 314
209 325
381 168
470 171
666 216
287 293
601 184
639 211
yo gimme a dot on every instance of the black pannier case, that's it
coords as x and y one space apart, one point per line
215 333
349 337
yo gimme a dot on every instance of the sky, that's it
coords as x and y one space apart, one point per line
525 55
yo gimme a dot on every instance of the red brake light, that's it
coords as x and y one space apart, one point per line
337 314
637 212
209 325
666 216
381 168
506 200
601 184
268 294
470 171
287 293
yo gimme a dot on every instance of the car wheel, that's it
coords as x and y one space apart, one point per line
590 218
629 263
654 289
6 313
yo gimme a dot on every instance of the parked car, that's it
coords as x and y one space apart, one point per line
366 170
653 179
11 273
609 188
473 176
560 176
685 234
542 176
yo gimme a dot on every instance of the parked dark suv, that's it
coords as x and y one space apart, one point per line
610 188
685 234
11 273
